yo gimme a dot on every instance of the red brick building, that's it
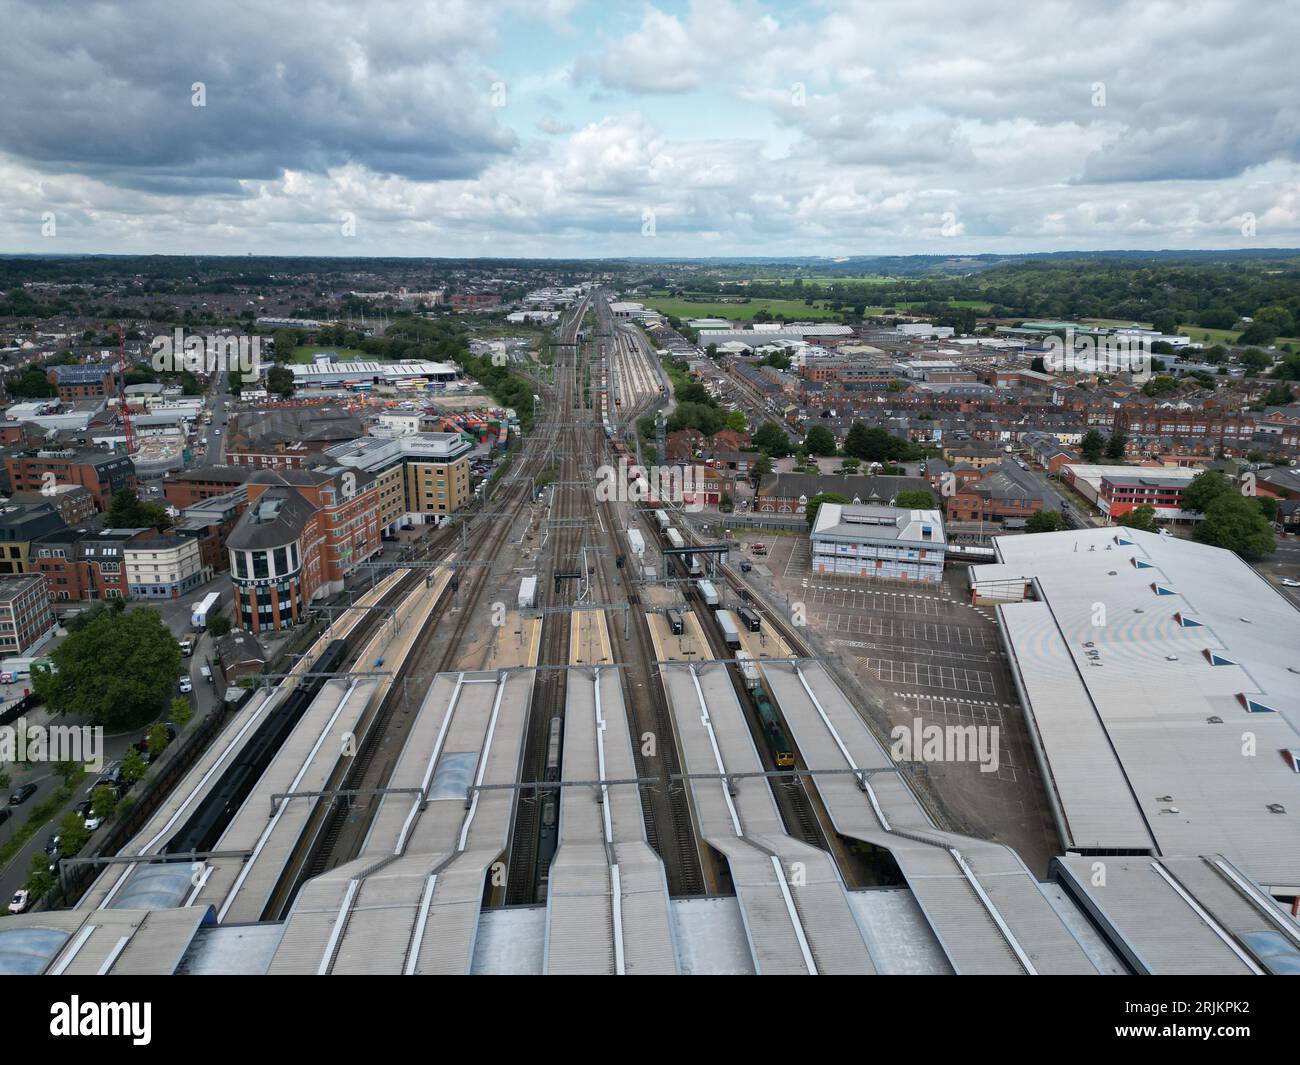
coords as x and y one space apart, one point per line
188 487
303 532
102 473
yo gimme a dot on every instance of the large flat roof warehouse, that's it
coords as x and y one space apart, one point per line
334 373
1161 679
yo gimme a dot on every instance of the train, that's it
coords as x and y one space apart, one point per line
548 832
773 730
708 593
218 808
676 623
663 521
675 539
693 565
750 619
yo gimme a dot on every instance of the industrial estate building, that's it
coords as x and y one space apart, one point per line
1159 679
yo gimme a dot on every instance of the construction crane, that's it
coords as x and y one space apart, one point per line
123 413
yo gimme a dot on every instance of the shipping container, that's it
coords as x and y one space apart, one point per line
708 593
675 538
748 670
727 623
528 593
662 518
636 542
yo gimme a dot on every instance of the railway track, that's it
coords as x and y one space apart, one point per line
528 865
338 829
795 805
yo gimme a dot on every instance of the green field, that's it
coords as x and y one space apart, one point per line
681 308
983 306
304 354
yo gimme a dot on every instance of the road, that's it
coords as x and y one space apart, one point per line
14 872
176 616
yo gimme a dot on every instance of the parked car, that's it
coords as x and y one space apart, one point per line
186 685
93 822
1289 582
21 900
5 814
21 795
52 844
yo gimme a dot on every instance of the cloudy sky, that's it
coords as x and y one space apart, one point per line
563 128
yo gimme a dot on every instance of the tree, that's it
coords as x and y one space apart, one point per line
814 504
1115 447
855 443
133 766
1142 518
40 881
1092 445
820 441
157 739
1254 360
218 625
117 669
104 799
764 465
771 438
72 834
279 379
736 421
182 711
127 512
1164 322
915 499
1235 523
875 445
1205 487
1045 521
1159 385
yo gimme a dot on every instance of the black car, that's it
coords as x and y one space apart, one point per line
21 795
52 844
5 814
